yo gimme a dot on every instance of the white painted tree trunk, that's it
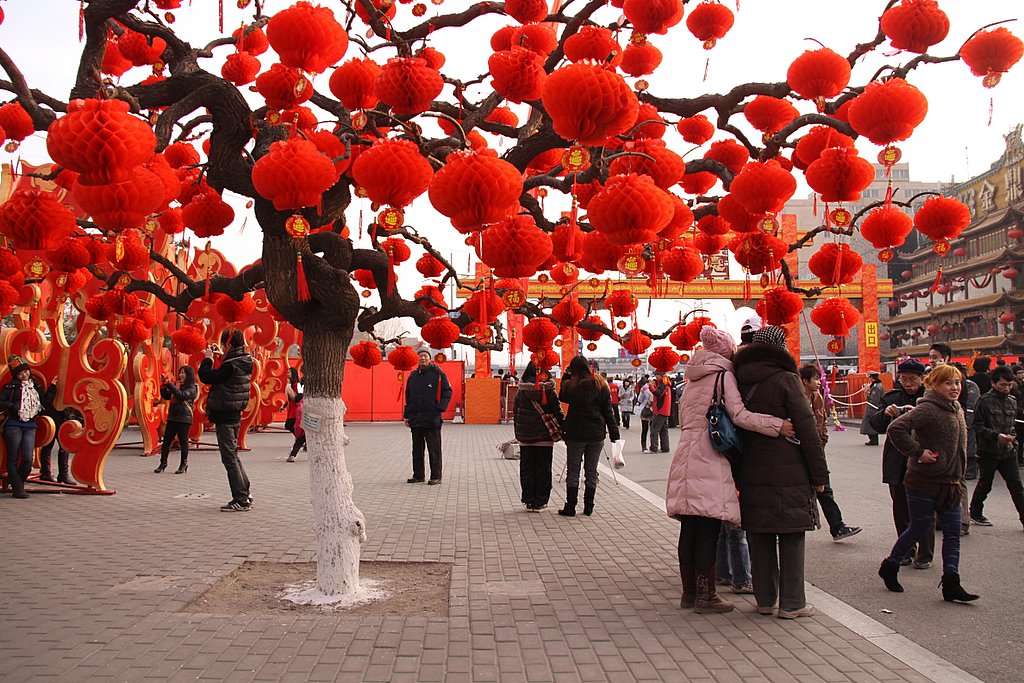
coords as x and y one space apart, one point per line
338 525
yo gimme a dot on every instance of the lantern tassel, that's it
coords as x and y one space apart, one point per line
220 16
938 279
302 284
81 20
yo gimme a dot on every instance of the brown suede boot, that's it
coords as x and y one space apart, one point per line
689 578
708 601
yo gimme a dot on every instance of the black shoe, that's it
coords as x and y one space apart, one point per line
235 506
433 482
66 479
181 470
953 591
291 458
980 520
413 480
45 476
845 532
889 571
160 468
20 494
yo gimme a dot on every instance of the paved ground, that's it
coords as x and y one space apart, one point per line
94 585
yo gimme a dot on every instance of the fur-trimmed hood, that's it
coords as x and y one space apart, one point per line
754 363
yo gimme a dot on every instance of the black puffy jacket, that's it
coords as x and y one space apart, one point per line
529 426
994 414
229 386
427 395
180 408
590 412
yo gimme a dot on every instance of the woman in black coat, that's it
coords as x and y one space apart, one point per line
778 477
21 400
181 394
535 395
589 418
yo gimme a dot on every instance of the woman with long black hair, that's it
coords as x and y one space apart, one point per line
181 394
535 401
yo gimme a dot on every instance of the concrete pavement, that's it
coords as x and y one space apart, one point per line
95 585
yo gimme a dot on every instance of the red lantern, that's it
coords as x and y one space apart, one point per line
16 122
100 140
127 252
818 139
366 354
886 227
235 311
763 187
682 264
352 83
564 273
544 359
408 85
915 25
240 68
769 114
484 306
888 111
293 175
942 218
682 220
1007 318
819 75
652 158
992 53
114 63
621 302
653 16
432 299
588 334
696 129
730 153
33 220
515 247
428 266
588 103
630 209
709 244
393 172
1010 273
307 37
135 329
189 340
404 358
139 49
737 217
779 306
251 39
283 87
475 190
698 183
758 252
596 43
835 264
180 154
440 332
635 342
835 317
383 10
709 22
525 11
517 74
663 359
207 215
598 254
567 313
839 175
539 333
641 59
539 38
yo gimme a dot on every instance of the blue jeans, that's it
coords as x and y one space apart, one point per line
922 519
20 443
733 564
587 452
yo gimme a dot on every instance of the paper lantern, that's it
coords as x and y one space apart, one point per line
114 63
763 187
432 299
941 219
682 264
635 342
484 306
567 313
564 273
396 249
652 159
682 220
653 16
819 75
835 264
835 317
593 42
630 209
886 227
598 254
475 190
758 252
408 85
134 330
915 25
440 332
709 22
709 244
737 217
839 175
207 215
588 334
139 49
393 172
365 278
517 74
525 11
330 146
539 333
730 153
992 53
235 311
307 37
698 183
189 340
404 358
428 266
180 154
888 111
663 359
567 243
779 306
100 140
1007 318
293 174
10 264
251 39
621 302
818 139
240 68
127 252
34 219
16 122
283 87
353 83
539 38
769 114
696 129
366 354
514 247
1010 273
383 10
640 59
713 225
588 103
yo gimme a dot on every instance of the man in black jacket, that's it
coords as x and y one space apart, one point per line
427 394
229 394
910 376
994 417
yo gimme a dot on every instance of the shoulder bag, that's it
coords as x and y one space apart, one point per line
550 421
721 431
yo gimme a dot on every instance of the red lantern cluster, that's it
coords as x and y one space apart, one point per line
366 354
835 317
440 332
818 139
663 359
235 311
651 157
779 306
835 264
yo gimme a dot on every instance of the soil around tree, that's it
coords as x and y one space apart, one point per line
256 588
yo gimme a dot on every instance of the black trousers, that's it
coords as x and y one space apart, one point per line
987 468
830 509
535 473
901 518
431 438
698 541
171 430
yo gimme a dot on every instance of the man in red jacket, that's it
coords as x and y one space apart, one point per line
662 407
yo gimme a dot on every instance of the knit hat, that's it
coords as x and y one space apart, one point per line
16 364
911 365
752 324
770 335
717 341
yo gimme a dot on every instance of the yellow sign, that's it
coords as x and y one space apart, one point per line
871 335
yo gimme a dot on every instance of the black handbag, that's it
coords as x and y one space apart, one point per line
722 433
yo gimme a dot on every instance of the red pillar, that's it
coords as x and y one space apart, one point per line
867 334
482 367
788 233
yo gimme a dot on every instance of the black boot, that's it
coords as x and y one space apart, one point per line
952 590
63 473
45 473
571 496
889 571
588 501
689 578
161 467
183 467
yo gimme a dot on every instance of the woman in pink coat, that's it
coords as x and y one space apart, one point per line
701 491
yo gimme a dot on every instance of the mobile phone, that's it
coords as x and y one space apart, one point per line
793 439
